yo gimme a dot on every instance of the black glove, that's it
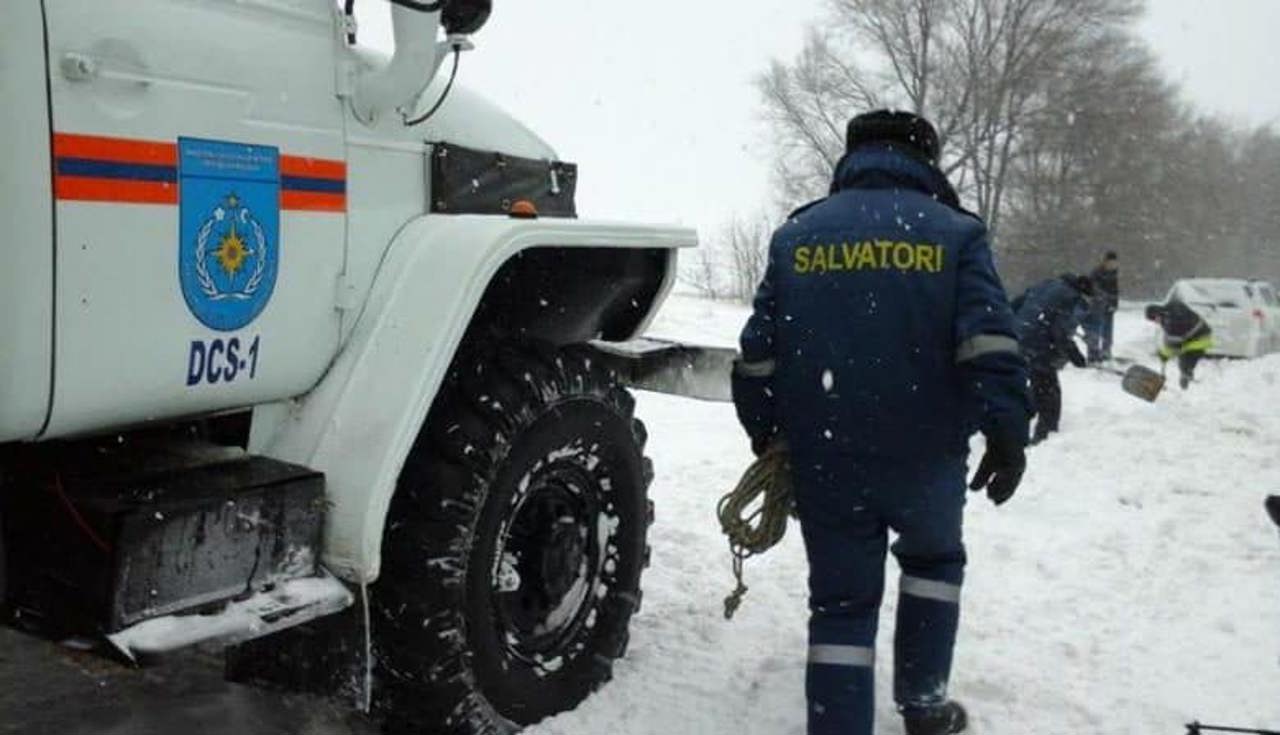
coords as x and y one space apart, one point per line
1075 356
760 445
1001 468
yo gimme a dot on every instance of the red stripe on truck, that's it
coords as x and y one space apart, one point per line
69 187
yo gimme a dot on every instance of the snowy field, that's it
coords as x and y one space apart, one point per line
1132 585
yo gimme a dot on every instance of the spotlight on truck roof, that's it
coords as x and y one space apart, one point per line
465 16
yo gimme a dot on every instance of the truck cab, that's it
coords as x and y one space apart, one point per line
319 323
144 142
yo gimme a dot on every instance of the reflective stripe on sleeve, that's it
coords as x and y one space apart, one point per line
985 344
930 589
842 655
761 369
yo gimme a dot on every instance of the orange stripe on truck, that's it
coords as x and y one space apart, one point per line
313 168
310 201
97 168
121 150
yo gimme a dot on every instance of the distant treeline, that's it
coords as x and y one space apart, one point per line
1057 127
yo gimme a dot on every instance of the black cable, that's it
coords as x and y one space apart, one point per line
457 56
421 7
1195 728
349 10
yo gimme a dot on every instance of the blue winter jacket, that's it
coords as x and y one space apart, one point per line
1046 318
881 328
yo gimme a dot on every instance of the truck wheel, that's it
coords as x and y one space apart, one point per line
512 557
4 572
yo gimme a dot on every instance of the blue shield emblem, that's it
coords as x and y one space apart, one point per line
229 252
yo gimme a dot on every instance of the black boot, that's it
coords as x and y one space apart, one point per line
1273 508
945 720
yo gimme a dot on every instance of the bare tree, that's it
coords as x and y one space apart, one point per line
978 68
1012 52
701 273
731 264
1057 128
1090 160
806 105
747 246
1114 160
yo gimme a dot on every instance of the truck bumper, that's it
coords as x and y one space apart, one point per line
692 371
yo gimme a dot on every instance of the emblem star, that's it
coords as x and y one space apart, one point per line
232 252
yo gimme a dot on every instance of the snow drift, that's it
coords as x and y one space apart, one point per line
1131 586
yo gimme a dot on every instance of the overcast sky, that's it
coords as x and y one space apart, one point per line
655 100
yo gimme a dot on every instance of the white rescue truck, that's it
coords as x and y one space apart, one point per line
305 352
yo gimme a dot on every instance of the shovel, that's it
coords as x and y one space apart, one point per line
1139 381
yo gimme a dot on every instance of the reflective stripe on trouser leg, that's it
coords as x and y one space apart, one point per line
846 550
930 552
930 589
840 689
830 655
928 616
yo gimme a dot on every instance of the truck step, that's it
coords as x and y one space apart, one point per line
287 604
102 538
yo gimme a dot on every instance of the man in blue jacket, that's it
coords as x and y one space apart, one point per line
880 341
1046 318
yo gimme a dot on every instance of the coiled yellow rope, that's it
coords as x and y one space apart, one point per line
754 515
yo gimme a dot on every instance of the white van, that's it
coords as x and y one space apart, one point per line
1244 314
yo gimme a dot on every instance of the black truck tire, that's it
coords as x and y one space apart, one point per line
512 557
4 572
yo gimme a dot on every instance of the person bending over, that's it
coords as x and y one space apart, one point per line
1187 337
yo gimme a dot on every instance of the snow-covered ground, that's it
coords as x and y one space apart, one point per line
1131 586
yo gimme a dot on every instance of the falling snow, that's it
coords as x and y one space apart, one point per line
1129 587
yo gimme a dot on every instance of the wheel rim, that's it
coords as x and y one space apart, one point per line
548 565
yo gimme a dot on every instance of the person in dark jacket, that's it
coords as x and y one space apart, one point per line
1046 317
881 339
1099 328
1186 336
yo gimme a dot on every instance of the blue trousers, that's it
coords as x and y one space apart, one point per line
846 508
1099 331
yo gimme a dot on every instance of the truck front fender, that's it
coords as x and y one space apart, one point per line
358 425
